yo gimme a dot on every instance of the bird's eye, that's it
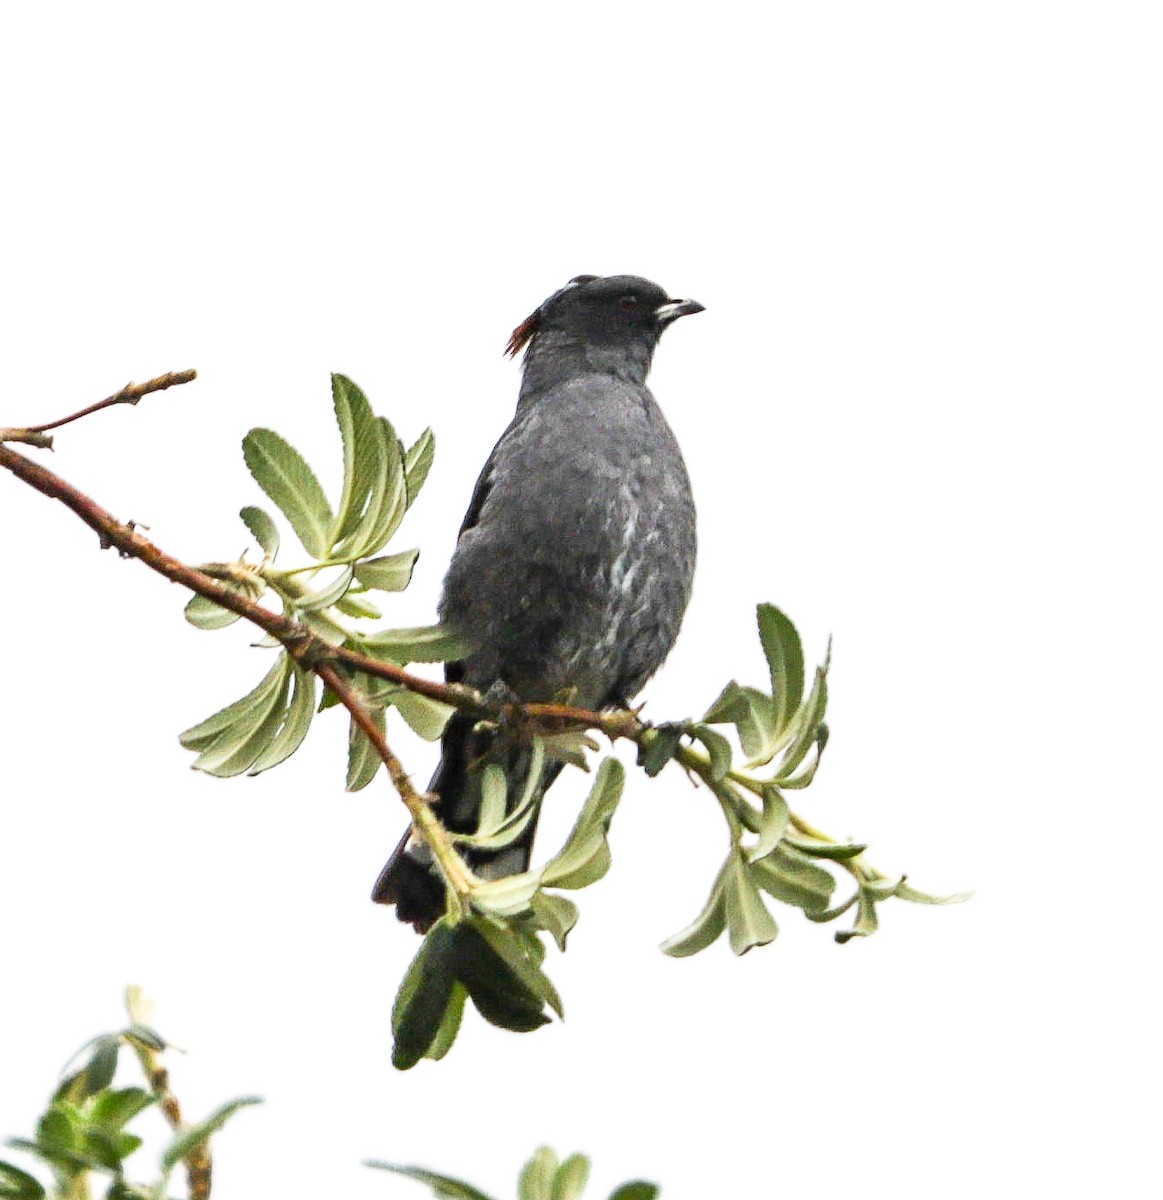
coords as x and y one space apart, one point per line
630 301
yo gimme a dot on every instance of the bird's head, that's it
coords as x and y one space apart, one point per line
605 312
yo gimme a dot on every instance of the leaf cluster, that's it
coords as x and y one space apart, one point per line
543 1177
381 480
82 1134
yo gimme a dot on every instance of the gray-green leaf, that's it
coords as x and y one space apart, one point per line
262 529
444 1187
392 573
280 470
785 660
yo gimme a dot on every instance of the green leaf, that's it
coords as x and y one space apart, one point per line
794 879
706 927
422 643
280 471
661 748
717 747
190 1139
426 718
449 1025
113 1109
363 476
207 732
511 950
443 1186
557 915
355 605
536 1181
418 462
866 919
830 914
585 857
262 529
907 892
571 1179
753 713
785 660
418 1014
507 896
16 1184
499 826
296 720
748 921
95 1074
837 851
205 614
392 573
804 726
772 825
233 739
638 1189
363 760
329 594
387 506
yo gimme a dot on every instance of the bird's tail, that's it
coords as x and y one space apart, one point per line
409 879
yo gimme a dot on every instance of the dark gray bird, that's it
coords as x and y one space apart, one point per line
574 563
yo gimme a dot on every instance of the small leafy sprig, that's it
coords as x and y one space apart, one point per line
82 1136
543 1177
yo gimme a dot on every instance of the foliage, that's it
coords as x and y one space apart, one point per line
751 748
543 1177
82 1136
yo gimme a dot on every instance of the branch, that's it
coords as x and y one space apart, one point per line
131 393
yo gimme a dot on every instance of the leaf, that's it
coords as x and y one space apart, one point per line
806 727
557 915
508 895
753 713
509 948
363 760
837 851
662 747
190 1139
363 477
244 730
16 1184
421 643
794 879
297 717
494 793
95 1074
749 923
536 1181
585 857
418 462
449 1024
207 732
907 892
717 747
443 1186
205 614
113 1109
866 919
785 659
392 573
425 717
354 605
773 823
706 927
498 827
388 504
262 529
571 1179
329 594
280 471
638 1189
424 996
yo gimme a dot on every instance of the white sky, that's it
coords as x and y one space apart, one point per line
919 413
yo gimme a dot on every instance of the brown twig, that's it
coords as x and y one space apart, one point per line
131 393
198 1163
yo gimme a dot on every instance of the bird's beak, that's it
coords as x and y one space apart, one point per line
673 309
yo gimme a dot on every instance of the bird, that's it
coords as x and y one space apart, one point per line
574 564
